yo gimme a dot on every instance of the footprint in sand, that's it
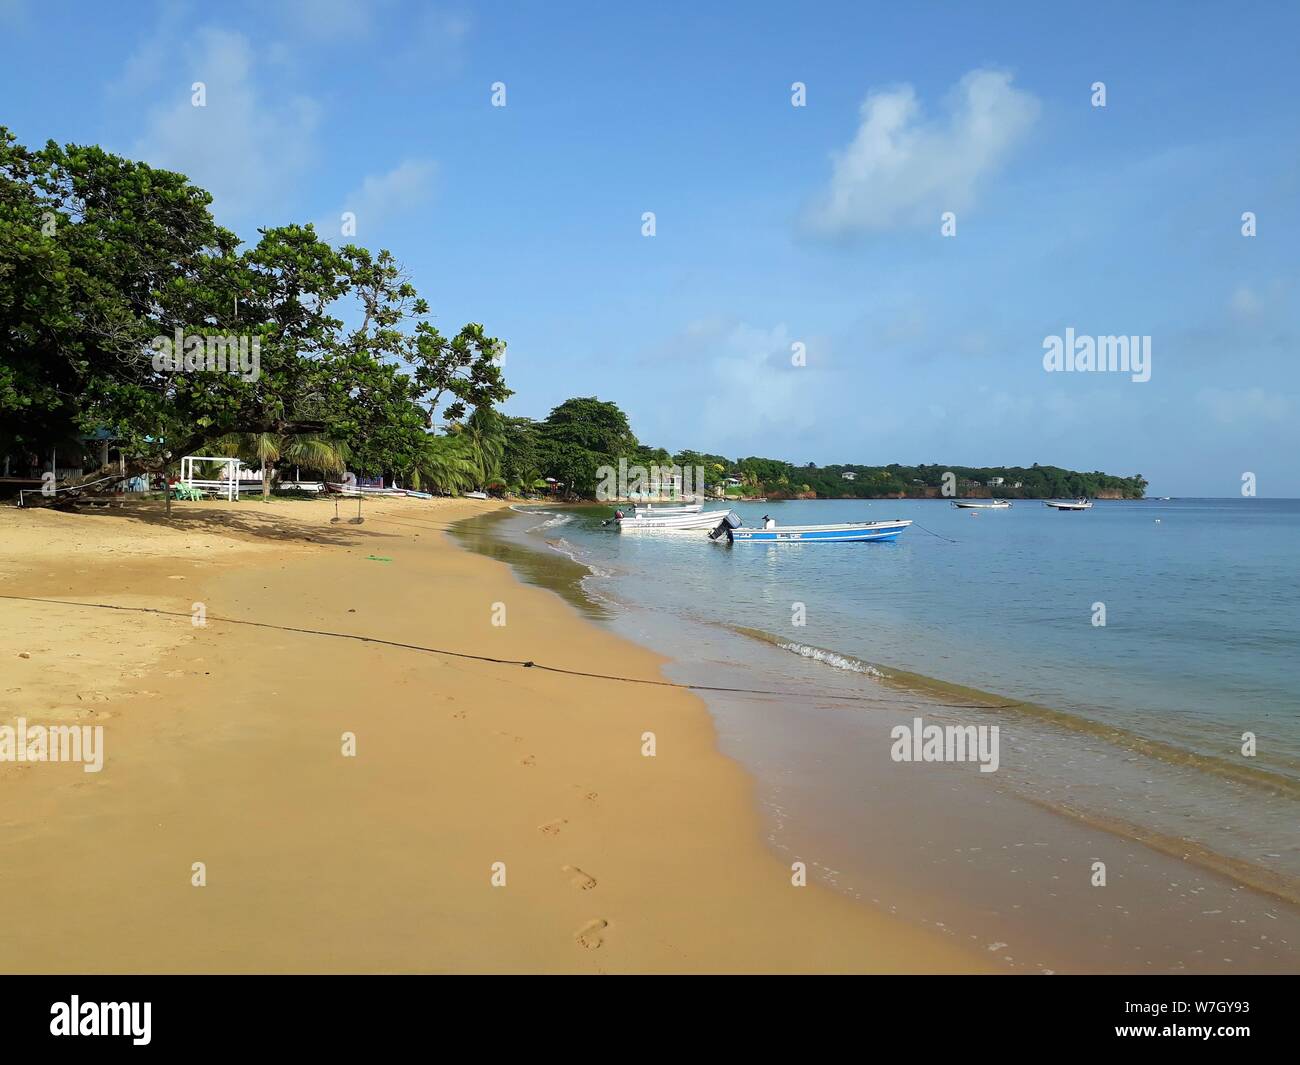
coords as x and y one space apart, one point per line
459 715
74 713
92 697
589 935
531 760
552 828
580 879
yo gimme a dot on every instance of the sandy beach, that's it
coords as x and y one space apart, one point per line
492 819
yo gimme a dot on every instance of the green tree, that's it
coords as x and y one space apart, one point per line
100 256
483 436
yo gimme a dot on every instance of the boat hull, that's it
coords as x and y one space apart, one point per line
668 509
705 520
859 532
360 490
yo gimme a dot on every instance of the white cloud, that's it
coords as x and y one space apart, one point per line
380 198
247 146
904 169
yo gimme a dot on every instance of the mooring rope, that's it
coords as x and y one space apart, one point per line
933 533
525 663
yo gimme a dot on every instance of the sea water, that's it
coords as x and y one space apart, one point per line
1139 658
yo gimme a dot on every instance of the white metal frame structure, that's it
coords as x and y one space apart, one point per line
228 484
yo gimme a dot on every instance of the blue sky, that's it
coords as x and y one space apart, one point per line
775 225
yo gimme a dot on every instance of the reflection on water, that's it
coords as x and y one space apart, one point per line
484 535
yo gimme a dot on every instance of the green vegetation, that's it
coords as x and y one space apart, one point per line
1000 482
102 259
581 435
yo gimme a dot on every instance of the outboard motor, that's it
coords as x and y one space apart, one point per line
730 521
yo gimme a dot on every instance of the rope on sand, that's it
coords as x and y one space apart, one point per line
524 663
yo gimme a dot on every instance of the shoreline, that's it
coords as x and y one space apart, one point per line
1167 862
223 746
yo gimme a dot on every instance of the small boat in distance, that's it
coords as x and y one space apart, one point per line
476 495
844 532
997 504
1078 504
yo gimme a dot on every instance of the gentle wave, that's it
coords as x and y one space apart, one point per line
1278 782
573 554
831 658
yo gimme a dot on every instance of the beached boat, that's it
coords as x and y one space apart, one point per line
361 490
476 495
997 504
1078 504
657 520
844 532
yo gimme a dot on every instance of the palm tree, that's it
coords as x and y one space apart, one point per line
443 462
485 438
312 450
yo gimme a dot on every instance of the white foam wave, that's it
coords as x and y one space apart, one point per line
830 658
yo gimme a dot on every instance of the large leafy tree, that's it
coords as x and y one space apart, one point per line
521 460
581 435
595 425
100 255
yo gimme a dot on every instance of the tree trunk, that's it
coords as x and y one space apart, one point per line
266 483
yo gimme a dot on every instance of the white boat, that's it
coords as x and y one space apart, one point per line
844 532
476 495
672 508
360 489
997 504
703 519
1078 504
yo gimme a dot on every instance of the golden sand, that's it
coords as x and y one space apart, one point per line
224 745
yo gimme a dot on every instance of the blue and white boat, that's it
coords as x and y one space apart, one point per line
845 532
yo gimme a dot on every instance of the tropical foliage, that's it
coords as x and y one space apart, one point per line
582 435
103 258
